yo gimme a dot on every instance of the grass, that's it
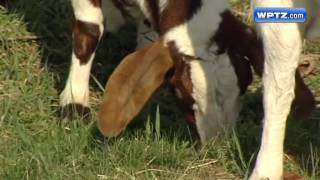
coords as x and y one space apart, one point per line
34 55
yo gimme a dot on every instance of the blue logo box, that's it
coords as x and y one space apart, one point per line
280 15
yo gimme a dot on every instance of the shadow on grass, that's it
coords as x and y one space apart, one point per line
51 23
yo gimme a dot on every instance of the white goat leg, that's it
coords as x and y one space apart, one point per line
282 46
87 31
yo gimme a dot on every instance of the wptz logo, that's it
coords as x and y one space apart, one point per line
280 15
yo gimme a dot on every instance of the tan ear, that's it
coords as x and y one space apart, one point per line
130 86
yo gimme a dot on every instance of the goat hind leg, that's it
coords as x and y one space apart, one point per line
87 31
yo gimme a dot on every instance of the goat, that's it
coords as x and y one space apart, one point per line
282 43
220 70
209 51
209 62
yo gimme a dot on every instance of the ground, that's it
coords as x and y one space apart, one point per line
34 59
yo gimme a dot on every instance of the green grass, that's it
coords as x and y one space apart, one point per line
34 56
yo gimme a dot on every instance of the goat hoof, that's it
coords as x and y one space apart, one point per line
306 67
258 175
291 176
70 111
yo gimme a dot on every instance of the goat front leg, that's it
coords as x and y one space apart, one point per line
87 31
282 46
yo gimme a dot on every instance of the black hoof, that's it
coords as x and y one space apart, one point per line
70 111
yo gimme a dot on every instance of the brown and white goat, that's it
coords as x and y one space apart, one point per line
206 54
208 50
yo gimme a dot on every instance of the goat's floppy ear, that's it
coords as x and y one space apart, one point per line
130 86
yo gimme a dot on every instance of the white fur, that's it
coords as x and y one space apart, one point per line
163 4
282 46
216 91
192 37
143 6
85 11
77 86
216 95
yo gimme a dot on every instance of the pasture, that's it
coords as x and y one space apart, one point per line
35 49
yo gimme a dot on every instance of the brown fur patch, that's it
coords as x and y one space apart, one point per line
291 176
242 41
177 12
131 85
86 37
181 81
153 8
243 71
239 41
96 3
